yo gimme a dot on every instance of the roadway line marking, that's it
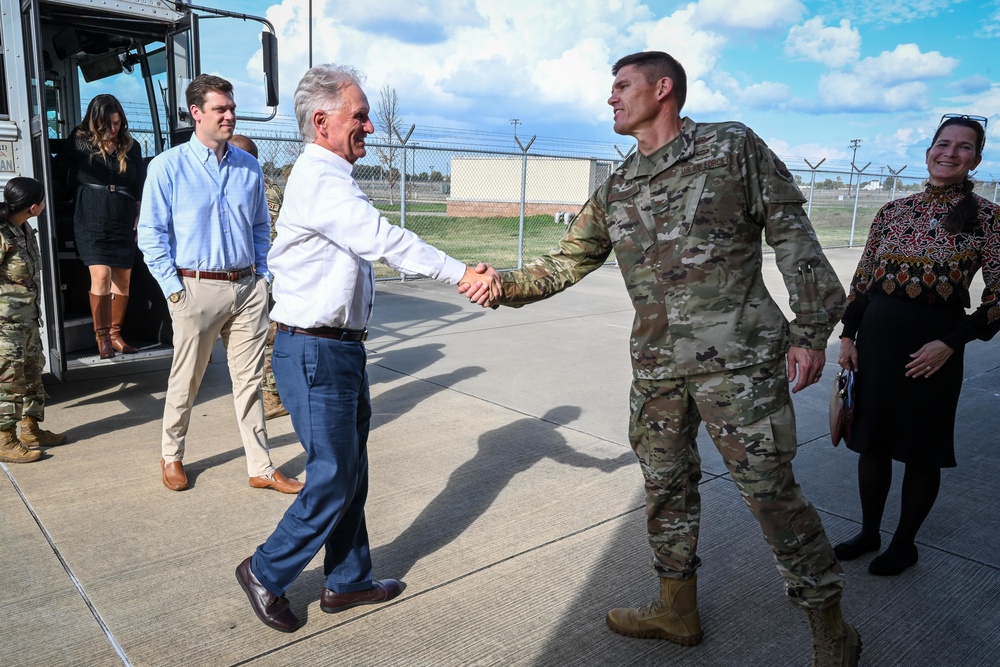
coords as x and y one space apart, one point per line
65 565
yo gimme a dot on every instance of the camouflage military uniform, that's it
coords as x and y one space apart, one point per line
21 357
708 341
275 195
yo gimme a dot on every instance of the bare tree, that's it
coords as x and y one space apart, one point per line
389 130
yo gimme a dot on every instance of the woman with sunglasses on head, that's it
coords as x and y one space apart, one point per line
905 331
108 174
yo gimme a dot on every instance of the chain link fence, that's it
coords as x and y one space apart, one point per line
506 208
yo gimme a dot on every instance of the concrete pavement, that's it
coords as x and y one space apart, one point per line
503 494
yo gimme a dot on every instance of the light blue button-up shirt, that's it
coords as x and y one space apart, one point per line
199 213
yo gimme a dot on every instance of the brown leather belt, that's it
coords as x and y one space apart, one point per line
231 276
333 333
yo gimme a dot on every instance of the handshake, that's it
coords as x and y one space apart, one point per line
482 285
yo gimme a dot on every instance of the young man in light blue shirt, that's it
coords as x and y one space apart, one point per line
205 232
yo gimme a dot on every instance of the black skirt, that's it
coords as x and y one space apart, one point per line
104 227
911 420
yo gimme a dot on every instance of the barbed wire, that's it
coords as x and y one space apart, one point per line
284 126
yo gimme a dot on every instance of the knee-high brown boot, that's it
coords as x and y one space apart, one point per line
100 308
119 302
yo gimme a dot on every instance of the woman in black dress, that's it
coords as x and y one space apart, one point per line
108 173
905 331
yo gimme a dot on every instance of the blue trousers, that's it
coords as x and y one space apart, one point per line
324 386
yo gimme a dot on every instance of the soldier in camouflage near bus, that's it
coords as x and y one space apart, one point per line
275 194
22 396
684 217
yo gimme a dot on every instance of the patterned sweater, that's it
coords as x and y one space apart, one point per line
909 255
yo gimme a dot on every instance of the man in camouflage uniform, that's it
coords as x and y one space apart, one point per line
684 216
272 401
275 194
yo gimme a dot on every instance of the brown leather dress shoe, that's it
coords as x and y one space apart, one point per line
382 591
173 475
273 611
278 482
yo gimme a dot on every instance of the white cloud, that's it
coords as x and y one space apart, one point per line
906 63
892 81
885 14
814 152
515 58
846 91
747 14
698 51
577 74
832 46
766 95
990 27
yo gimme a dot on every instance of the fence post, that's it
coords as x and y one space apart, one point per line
857 194
402 185
895 177
812 183
524 194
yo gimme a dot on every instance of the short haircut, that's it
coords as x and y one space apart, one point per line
654 66
204 84
321 89
244 143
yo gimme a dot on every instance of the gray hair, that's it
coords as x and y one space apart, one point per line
321 89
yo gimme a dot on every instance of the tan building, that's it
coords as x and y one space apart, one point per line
491 186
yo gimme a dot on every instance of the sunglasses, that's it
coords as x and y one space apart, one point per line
979 119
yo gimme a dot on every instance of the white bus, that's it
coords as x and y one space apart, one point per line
51 49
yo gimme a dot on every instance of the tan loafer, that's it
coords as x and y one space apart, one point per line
173 475
278 482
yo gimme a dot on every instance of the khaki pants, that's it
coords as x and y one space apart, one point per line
748 414
238 312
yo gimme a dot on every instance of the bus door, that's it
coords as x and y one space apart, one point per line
37 134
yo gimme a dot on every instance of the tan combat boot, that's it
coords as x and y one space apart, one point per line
272 406
34 437
673 617
12 451
834 642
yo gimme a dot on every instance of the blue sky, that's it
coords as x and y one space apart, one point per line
807 76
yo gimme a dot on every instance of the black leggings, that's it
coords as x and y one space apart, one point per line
920 490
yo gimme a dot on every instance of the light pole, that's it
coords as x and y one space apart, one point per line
854 145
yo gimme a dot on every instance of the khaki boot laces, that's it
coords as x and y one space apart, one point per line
13 450
33 435
834 642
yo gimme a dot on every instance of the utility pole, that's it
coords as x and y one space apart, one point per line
515 122
854 145
310 34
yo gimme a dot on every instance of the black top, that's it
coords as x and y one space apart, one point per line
104 219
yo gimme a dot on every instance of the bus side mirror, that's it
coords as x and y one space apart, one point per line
269 44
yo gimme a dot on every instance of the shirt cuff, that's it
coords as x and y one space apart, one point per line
171 286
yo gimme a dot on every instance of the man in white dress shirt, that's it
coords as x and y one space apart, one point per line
328 236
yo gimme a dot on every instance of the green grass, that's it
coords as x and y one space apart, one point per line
473 240
494 240
833 224
413 207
